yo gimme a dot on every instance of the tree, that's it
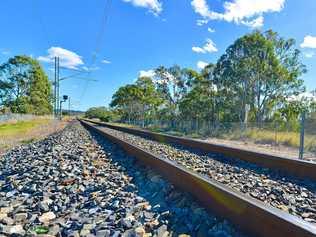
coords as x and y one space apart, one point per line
138 101
150 98
259 69
24 86
101 113
127 100
199 102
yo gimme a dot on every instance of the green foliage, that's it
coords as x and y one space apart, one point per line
24 86
138 101
101 113
259 70
41 230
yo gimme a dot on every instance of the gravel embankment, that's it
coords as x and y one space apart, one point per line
77 184
289 194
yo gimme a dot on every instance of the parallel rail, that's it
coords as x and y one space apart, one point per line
250 215
300 168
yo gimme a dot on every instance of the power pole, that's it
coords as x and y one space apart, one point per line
68 106
55 87
58 80
302 135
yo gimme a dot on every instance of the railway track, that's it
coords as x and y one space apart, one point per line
76 183
222 196
301 168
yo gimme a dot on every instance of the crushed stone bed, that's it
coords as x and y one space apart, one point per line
290 194
76 183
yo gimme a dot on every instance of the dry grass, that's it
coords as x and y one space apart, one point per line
291 139
14 133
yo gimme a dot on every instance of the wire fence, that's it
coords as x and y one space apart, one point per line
4 118
282 139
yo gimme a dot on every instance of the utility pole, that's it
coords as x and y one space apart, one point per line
68 106
58 80
55 87
302 135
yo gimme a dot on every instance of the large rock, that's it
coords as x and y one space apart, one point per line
47 217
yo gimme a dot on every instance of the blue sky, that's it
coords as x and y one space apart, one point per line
140 35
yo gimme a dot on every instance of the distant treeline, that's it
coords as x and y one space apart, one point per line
258 77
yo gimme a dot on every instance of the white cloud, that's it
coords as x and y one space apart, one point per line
246 12
201 64
201 22
309 54
309 42
104 61
209 47
198 49
149 73
209 29
305 97
255 23
90 69
68 59
154 6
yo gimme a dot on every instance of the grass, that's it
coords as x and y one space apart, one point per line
21 132
260 136
291 139
20 127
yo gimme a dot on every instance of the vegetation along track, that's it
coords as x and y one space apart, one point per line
293 195
76 183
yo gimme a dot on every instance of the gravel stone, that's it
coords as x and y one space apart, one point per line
76 183
290 194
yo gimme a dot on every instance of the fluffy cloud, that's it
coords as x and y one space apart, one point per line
154 6
149 73
68 59
105 61
305 97
201 22
246 12
209 47
201 64
90 69
309 42
209 29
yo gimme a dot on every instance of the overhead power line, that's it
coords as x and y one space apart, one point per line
99 41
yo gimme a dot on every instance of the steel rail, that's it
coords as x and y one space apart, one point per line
299 168
251 215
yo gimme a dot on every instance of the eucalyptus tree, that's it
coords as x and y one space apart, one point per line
259 69
199 102
24 86
127 100
150 98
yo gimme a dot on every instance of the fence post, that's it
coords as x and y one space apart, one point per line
301 152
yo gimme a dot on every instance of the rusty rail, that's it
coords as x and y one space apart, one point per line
300 168
252 216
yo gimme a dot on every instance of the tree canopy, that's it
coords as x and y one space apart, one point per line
24 86
102 113
257 75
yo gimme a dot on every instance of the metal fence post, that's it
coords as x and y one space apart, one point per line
301 152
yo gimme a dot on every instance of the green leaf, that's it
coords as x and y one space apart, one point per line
41 230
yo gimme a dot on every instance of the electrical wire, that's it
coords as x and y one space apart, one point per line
99 40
